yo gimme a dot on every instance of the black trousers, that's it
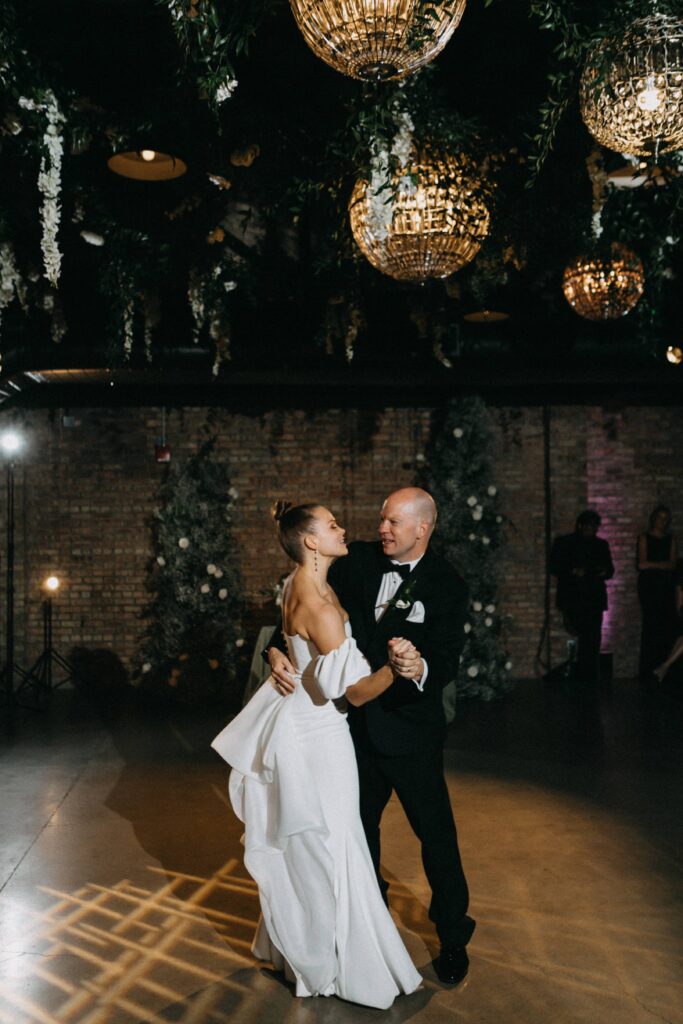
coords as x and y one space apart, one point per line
419 783
586 623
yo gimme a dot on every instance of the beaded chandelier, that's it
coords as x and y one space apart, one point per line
434 224
632 88
377 39
604 288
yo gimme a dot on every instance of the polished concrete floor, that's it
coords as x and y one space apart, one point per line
123 897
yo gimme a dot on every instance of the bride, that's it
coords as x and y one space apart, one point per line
294 784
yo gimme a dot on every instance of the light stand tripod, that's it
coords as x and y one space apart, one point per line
7 674
39 678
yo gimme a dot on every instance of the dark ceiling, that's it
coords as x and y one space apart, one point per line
123 60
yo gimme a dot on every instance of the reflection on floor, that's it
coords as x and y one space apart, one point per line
123 898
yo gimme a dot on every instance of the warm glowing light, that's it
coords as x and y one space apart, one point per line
11 442
52 584
632 87
147 165
650 97
434 224
674 354
374 40
147 154
604 287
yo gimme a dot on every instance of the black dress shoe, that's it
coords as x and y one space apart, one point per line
452 964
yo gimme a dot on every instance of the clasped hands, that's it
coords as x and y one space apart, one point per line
403 659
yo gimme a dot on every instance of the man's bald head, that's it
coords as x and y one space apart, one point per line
407 522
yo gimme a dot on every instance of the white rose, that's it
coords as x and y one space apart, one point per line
183 543
458 432
488 621
211 569
205 588
492 491
239 642
473 671
467 627
420 457
92 238
234 493
486 540
476 514
472 501
222 593
490 608
472 537
161 560
508 665
499 519
477 606
147 667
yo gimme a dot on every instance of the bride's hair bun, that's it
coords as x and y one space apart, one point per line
279 509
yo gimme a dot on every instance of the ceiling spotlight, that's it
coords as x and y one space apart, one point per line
51 584
11 442
674 354
147 165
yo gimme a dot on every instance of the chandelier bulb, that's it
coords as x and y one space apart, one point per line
650 97
148 155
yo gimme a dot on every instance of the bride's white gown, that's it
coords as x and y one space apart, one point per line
294 784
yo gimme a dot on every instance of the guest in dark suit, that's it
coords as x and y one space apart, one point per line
582 562
399 587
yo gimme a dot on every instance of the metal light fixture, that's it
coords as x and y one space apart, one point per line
486 316
632 88
674 355
604 287
434 224
377 39
147 165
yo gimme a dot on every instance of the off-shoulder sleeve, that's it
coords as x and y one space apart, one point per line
341 668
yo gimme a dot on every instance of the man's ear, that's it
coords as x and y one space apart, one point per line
421 530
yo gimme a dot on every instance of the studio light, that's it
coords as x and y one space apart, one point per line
51 584
11 442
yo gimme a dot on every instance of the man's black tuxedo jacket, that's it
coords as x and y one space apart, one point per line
587 592
403 719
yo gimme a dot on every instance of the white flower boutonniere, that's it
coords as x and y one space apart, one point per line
404 597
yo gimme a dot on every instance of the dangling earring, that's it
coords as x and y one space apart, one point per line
315 560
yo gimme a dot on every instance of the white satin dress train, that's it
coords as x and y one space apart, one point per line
294 784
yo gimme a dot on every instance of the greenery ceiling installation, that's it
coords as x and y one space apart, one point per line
247 260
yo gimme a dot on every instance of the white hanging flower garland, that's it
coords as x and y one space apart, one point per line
50 181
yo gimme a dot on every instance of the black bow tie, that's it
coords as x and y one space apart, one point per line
403 569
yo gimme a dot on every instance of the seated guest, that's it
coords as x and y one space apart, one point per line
581 562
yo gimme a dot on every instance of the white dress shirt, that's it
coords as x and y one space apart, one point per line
391 581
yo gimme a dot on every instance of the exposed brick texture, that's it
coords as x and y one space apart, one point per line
84 493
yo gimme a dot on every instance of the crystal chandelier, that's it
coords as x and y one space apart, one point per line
377 39
434 224
632 88
604 287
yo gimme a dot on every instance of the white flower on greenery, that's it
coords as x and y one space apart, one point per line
128 329
239 642
50 181
472 501
378 196
222 593
492 491
230 285
402 144
473 671
92 238
467 627
147 667
458 432
218 573
183 543
472 536
225 89
234 493
488 621
499 519
477 514
205 588
508 666
161 560
419 457
486 541
211 569
11 282
490 608
402 604
477 606
195 294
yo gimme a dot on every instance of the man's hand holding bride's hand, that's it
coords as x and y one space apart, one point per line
404 658
282 671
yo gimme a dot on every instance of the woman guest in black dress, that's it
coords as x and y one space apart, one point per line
657 556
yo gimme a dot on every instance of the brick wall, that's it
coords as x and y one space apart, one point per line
85 488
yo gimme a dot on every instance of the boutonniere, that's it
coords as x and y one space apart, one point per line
403 598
